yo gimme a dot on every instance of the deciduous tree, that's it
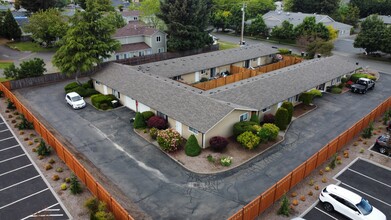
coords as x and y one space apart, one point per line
257 27
285 31
371 34
36 5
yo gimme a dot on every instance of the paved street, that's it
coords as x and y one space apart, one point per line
159 186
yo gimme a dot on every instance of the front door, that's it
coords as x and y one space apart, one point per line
321 87
178 127
212 72
197 77
105 90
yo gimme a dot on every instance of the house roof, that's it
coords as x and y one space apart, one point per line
275 18
189 64
165 95
133 47
130 13
135 29
386 19
268 89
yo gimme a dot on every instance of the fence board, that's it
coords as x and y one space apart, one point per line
342 140
79 170
237 216
267 198
310 164
283 186
332 147
322 155
103 195
251 210
91 183
358 127
118 211
297 175
43 132
68 159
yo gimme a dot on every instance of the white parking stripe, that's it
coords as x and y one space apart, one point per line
45 209
320 210
367 194
9 147
19 168
5 206
19 183
7 138
389 186
12 158
3 130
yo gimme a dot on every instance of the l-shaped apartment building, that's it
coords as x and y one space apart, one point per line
165 88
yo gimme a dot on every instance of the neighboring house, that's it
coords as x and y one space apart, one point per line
386 19
130 16
275 18
213 113
139 40
22 19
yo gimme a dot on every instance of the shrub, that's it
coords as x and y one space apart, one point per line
210 158
268 132
306 98
43 150
218 143
268 118
48 167
284 208
248 140
243 126
315 93
71 86
55 177
226 161
75 186
169 139
67 180
87 85
204 79
281 118
254 118
64 186
153 133
98 99
344 80
284 51
25 124
192 148
356 76
367 132
92 204
84 92
147 115
10 105
139 122
333 161
102 215
59 169
157 122
30 68
52 161
288 106
336 90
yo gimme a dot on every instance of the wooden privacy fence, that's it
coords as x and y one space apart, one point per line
274 193
240 73
65 155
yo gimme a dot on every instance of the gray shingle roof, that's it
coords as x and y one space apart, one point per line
189 64
386 19
134 29
275 18
268 89
165 95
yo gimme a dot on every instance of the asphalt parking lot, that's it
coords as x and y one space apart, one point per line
24 194
368 180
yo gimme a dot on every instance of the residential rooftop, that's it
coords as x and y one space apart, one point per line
135 29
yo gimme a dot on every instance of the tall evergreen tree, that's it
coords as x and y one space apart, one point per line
10 27
36 5
88 40
186 22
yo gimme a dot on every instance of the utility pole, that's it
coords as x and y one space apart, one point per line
241 34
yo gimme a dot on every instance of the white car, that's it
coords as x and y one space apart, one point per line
349 204
75 100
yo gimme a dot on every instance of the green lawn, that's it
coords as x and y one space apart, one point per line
227 45
30 46
4 65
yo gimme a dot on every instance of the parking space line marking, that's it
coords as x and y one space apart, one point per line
5 206
320 210
19 183
9 147
369 177
12 158
3 130
19 168
42 210
7 138
1 123
367 194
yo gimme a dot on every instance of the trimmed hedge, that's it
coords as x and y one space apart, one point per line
356 76
248 140
147 115
70 86
254 118
218 143
306 98
139 122
100 100
243 126
192 148
282 118
336 90
156 122
84 92
288 106
268 132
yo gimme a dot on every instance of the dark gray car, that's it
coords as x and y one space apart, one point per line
383 144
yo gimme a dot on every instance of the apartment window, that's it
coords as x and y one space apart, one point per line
244 117
160 50
338 79
161 115
116 93
141 53
290 99
266 109
158 39
297 98
97 82
135 18
193 130
203 71
125 56
117 57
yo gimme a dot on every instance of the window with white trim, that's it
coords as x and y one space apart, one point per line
290 99
158 39
266 109
244 117
193 130
160 50
116 93
338 79
297 97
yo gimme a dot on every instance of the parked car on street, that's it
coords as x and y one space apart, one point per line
349 204
75 100
363 85
382 144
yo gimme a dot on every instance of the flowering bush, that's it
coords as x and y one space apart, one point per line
226 161
169 139
248 140
153 133
157 122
